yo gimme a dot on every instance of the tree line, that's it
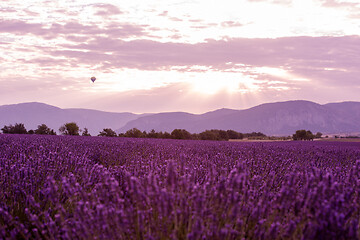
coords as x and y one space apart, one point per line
42 129
217 135
305 135
214 134
19 128
73 129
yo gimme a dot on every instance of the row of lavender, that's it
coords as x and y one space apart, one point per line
63 187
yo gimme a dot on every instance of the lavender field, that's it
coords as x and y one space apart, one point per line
63 187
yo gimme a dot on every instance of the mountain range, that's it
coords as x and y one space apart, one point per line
33 114
280 118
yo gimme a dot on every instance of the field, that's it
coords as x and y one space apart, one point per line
342 140
62 187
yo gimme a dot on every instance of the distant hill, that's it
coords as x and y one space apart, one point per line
34 114
281 118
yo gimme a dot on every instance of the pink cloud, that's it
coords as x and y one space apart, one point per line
200 27
175 19
353 8
7 10
44 62
67 12
204 25
355 16
125 30
164 14
21 27
79 39
328 59
231 24
106 9
283 2
196 20
54 30
31 13
336 4
176 36
325 59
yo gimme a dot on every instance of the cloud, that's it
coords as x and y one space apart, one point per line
166 14
175 19
44 62
115 30
196 20
327 59
7 10
282 2
353 8
106 10
231 24
321 51
21 27
204 26
337 4
4 43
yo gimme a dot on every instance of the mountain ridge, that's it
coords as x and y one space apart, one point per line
276 118
34 113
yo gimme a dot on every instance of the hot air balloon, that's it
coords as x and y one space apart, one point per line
93 79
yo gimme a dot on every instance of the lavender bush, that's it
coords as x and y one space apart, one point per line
63 187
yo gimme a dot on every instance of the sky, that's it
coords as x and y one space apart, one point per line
178 55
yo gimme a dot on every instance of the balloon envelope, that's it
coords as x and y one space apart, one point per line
93 79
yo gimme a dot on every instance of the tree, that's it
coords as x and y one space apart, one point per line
299 135
153 134
44 130
18 128
180 134
223 135
309 135
134 133
165 135
303 135
234 135
214 134
257 135
107 132
86 132
208 135
318 135
7 129
70 129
